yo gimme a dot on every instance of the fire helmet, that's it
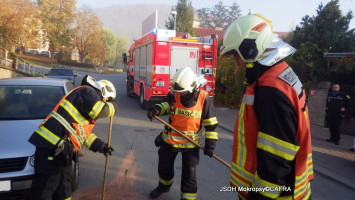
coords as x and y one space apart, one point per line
107 89
252 38
184 80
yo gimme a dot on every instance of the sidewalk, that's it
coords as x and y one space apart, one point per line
334 162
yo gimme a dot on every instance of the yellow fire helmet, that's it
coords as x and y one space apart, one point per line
252 38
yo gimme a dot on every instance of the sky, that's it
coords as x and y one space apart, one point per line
285 15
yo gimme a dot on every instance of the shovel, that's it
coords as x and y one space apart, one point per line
189 139
107 156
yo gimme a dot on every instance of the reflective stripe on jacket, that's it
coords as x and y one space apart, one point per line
248 138
186 120
71 118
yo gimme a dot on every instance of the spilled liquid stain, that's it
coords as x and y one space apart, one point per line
120 188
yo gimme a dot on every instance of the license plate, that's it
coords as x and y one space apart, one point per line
5 186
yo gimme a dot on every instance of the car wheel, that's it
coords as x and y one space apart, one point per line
75 173
142 101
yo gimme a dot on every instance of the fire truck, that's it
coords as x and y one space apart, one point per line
155 57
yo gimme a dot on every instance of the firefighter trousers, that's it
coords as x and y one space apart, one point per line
335 121
50 181
190 159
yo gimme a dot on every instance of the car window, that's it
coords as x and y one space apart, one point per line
61 72
28 102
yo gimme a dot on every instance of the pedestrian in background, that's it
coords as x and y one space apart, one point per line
337 103
272 141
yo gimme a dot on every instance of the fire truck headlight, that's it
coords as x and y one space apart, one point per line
160 84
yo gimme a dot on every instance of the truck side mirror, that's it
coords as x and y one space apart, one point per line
124 55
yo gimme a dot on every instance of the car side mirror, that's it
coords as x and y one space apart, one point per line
75 75
46 74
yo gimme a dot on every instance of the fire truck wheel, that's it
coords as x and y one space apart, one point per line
129 87
142 101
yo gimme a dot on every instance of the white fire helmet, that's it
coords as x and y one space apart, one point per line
90 81
184 81
107 89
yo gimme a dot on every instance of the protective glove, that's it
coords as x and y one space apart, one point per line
152 113
106 149
210 144
158 140
208 151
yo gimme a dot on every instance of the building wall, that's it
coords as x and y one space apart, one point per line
10 73
316 100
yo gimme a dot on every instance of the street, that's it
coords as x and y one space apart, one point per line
132 171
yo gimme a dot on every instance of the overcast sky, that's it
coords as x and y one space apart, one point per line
284 14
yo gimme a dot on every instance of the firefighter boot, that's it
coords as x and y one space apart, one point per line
159 190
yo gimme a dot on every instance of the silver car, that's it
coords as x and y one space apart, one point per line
24 104
62 73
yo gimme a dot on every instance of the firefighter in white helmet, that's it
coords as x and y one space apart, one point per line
272 142
64 131
189 107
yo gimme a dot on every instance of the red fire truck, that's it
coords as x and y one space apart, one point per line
155 57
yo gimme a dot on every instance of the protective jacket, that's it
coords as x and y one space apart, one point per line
335 101
272 142
72 120
189 120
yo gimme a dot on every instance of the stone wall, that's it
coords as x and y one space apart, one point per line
316 100
6 72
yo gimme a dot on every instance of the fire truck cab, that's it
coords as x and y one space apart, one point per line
155 57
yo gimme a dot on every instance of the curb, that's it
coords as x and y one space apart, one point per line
335 178
320 170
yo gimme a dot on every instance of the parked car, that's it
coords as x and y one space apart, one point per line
24 104
44 53
62 73
33 52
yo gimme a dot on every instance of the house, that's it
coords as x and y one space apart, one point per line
202 31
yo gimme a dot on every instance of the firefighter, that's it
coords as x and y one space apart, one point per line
63 133
189 107
337 103
272 141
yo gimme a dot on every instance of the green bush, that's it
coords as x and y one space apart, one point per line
229 83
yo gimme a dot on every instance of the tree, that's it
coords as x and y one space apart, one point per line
56 17
328 31
219 15
115 47
18 23
86 34
184 17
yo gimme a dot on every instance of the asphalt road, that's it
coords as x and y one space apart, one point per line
132 171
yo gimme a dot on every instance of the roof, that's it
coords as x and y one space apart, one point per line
33 81
202 32
282 35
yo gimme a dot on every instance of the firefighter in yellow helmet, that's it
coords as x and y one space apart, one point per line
62 134
189 108
272 142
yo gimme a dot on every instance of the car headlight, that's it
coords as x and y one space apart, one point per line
32 160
